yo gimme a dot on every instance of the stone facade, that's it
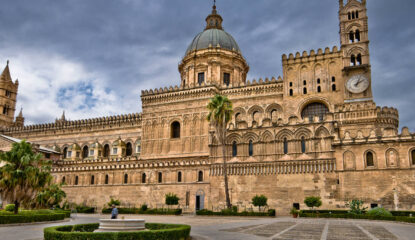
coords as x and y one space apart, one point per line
314 131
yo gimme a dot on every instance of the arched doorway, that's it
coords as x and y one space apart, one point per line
200 200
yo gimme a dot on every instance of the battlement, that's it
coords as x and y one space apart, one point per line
310 56
62 124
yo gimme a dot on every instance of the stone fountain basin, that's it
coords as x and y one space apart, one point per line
121 225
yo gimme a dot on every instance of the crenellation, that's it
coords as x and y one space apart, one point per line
309 57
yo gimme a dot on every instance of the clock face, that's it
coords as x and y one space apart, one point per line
357 84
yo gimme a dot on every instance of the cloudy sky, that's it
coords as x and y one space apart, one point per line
93 57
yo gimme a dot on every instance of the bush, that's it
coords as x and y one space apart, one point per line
379 212
144 207
229 212
114 202
85 232
85 209
155 211
312 202
234 208
403 213
33 217
356 206
259 201
172 199
9 208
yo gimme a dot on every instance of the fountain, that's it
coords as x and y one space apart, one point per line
121 225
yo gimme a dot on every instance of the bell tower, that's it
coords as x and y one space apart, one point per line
8 94
354 42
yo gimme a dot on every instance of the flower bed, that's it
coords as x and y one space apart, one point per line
204 212
153 211
358 216
155 231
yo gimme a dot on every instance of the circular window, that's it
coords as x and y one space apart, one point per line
314 109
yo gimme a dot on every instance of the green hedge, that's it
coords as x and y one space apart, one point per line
326 211
357 216
403 213
85 209
28 218
153 211
85 232
205 212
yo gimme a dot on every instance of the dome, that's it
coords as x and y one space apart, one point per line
212 37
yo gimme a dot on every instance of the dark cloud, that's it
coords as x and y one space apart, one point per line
128 45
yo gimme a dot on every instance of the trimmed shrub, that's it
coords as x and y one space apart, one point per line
259 201
312 202
85 232
9 207
379 212
358 216
172 199
144 207
403 213
155 211
85 209
27 218
229 212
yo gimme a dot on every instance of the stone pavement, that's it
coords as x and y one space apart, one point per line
251 228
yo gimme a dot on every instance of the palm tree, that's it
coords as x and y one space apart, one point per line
220 114
50 196
23 174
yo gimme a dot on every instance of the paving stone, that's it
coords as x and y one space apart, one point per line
380 232
303 231
270 230
346 231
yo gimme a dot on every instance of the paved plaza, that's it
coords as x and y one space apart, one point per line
235 228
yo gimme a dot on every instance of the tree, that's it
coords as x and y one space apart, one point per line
50 196
356 206
172 199
23 175
220 114
114 202
312 202
259 201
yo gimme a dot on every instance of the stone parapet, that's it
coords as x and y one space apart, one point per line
311 57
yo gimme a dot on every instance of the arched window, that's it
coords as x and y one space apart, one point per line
237 117
143 178
318 89
234 149
357 35
138 147
200 176
333 87
291 92
85 152
285 146
333 79
106 179
175 130
274 115
369 159
106 150
357 14
413 156
304 82
125 178
200 78
305 90
63 180
129 149
254 115
76 180
303 148
65 152
92 180
359 59
353 15
251 148
353 60
318 81
226 79
349 16
160 177
179 177
314 109
351 37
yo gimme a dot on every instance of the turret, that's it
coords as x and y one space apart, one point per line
8 94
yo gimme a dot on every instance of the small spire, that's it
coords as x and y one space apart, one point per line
214 20
63 116
7 62
21 112
5 75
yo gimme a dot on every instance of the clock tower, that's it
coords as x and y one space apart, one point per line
355 49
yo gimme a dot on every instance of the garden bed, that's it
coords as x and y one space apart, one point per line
155 231
30 216
357 216
154 211
204 212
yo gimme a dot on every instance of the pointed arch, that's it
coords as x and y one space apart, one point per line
266 136
302 132
234 137
322 132
284 133
250 136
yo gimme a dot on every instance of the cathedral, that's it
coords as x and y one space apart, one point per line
314 131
